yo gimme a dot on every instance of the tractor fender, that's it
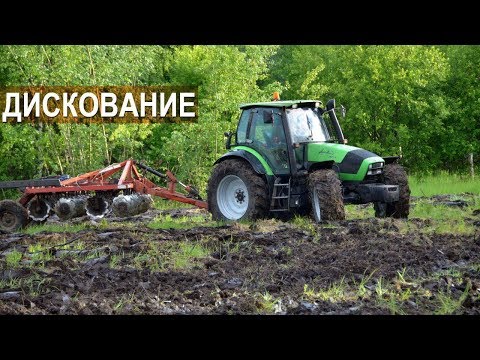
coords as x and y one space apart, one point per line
242 154
323 165
391 159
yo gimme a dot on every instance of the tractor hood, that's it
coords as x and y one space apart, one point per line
352 162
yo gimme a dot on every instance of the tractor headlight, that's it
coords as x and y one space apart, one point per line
375 168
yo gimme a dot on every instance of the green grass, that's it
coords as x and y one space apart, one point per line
160 256
443 183
359 211
381 288
184 222
10 284
33 285
55 228
447 304
336 292
13 259
266 303
163 204
40 256
186 254
125 300
305 223
115 260
426 210
362 291
40 253
445 219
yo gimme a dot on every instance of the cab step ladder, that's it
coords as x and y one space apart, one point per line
280 196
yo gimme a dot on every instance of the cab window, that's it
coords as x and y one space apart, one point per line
242 127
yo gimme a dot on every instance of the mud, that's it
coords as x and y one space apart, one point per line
261 268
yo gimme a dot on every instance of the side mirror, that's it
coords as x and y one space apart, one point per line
268 117
228 142
331 104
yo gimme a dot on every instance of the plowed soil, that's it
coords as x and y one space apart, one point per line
268 267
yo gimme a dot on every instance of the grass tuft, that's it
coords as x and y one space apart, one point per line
13 259
185 222
443 183
55 228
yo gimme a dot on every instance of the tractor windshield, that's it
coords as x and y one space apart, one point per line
307 125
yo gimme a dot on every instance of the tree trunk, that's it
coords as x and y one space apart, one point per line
472 168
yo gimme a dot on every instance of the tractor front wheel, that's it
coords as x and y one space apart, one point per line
13 216
236 192
395 174
326 195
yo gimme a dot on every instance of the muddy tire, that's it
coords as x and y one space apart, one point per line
395 174
13 216
236 192
326 195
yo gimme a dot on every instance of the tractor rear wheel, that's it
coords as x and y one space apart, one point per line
236 192
395 174
13 216
326 195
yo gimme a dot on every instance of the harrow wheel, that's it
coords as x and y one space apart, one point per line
13 216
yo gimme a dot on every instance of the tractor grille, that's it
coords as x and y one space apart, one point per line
373 179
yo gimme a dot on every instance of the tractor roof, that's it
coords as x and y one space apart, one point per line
278 104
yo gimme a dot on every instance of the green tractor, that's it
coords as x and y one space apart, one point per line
290 157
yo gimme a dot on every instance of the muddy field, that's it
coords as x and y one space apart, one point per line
358 266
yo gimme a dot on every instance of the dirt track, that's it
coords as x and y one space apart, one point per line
267 268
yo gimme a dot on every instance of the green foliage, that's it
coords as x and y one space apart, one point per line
13 259
34 151
418 101
393 94
226 76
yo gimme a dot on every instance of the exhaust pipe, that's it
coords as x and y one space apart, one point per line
333 117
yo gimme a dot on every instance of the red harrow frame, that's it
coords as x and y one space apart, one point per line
14 215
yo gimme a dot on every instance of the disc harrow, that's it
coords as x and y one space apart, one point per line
119 188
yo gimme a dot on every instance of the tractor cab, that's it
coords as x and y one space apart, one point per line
282 130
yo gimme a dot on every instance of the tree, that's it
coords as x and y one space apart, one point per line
394 94
226 76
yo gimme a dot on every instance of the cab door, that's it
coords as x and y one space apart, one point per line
266 135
